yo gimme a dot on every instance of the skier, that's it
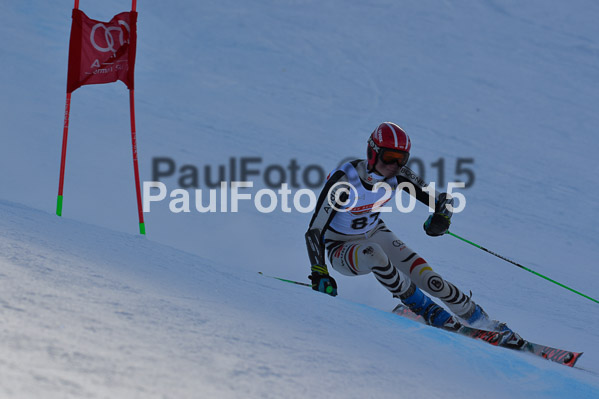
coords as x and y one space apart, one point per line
358 242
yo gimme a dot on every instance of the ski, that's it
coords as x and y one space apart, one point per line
495 338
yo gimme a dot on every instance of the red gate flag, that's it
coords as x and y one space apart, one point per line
102 52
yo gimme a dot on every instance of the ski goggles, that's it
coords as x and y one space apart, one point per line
389 157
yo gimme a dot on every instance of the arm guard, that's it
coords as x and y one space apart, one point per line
315 247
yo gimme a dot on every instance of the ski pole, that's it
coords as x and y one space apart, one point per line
329 289
285 280
520 266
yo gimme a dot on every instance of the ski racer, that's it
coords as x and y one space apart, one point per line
358 242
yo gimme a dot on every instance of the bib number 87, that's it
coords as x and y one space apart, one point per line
360 223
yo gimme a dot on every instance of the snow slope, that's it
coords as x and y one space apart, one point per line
513 86
87 312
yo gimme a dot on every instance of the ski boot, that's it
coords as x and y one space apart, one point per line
477 318
433 314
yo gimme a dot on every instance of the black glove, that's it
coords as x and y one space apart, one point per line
321 281
438 223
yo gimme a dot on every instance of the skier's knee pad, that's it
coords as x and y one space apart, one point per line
433 283
426 278
373 255
357 258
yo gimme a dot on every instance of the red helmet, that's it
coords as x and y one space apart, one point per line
389 142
